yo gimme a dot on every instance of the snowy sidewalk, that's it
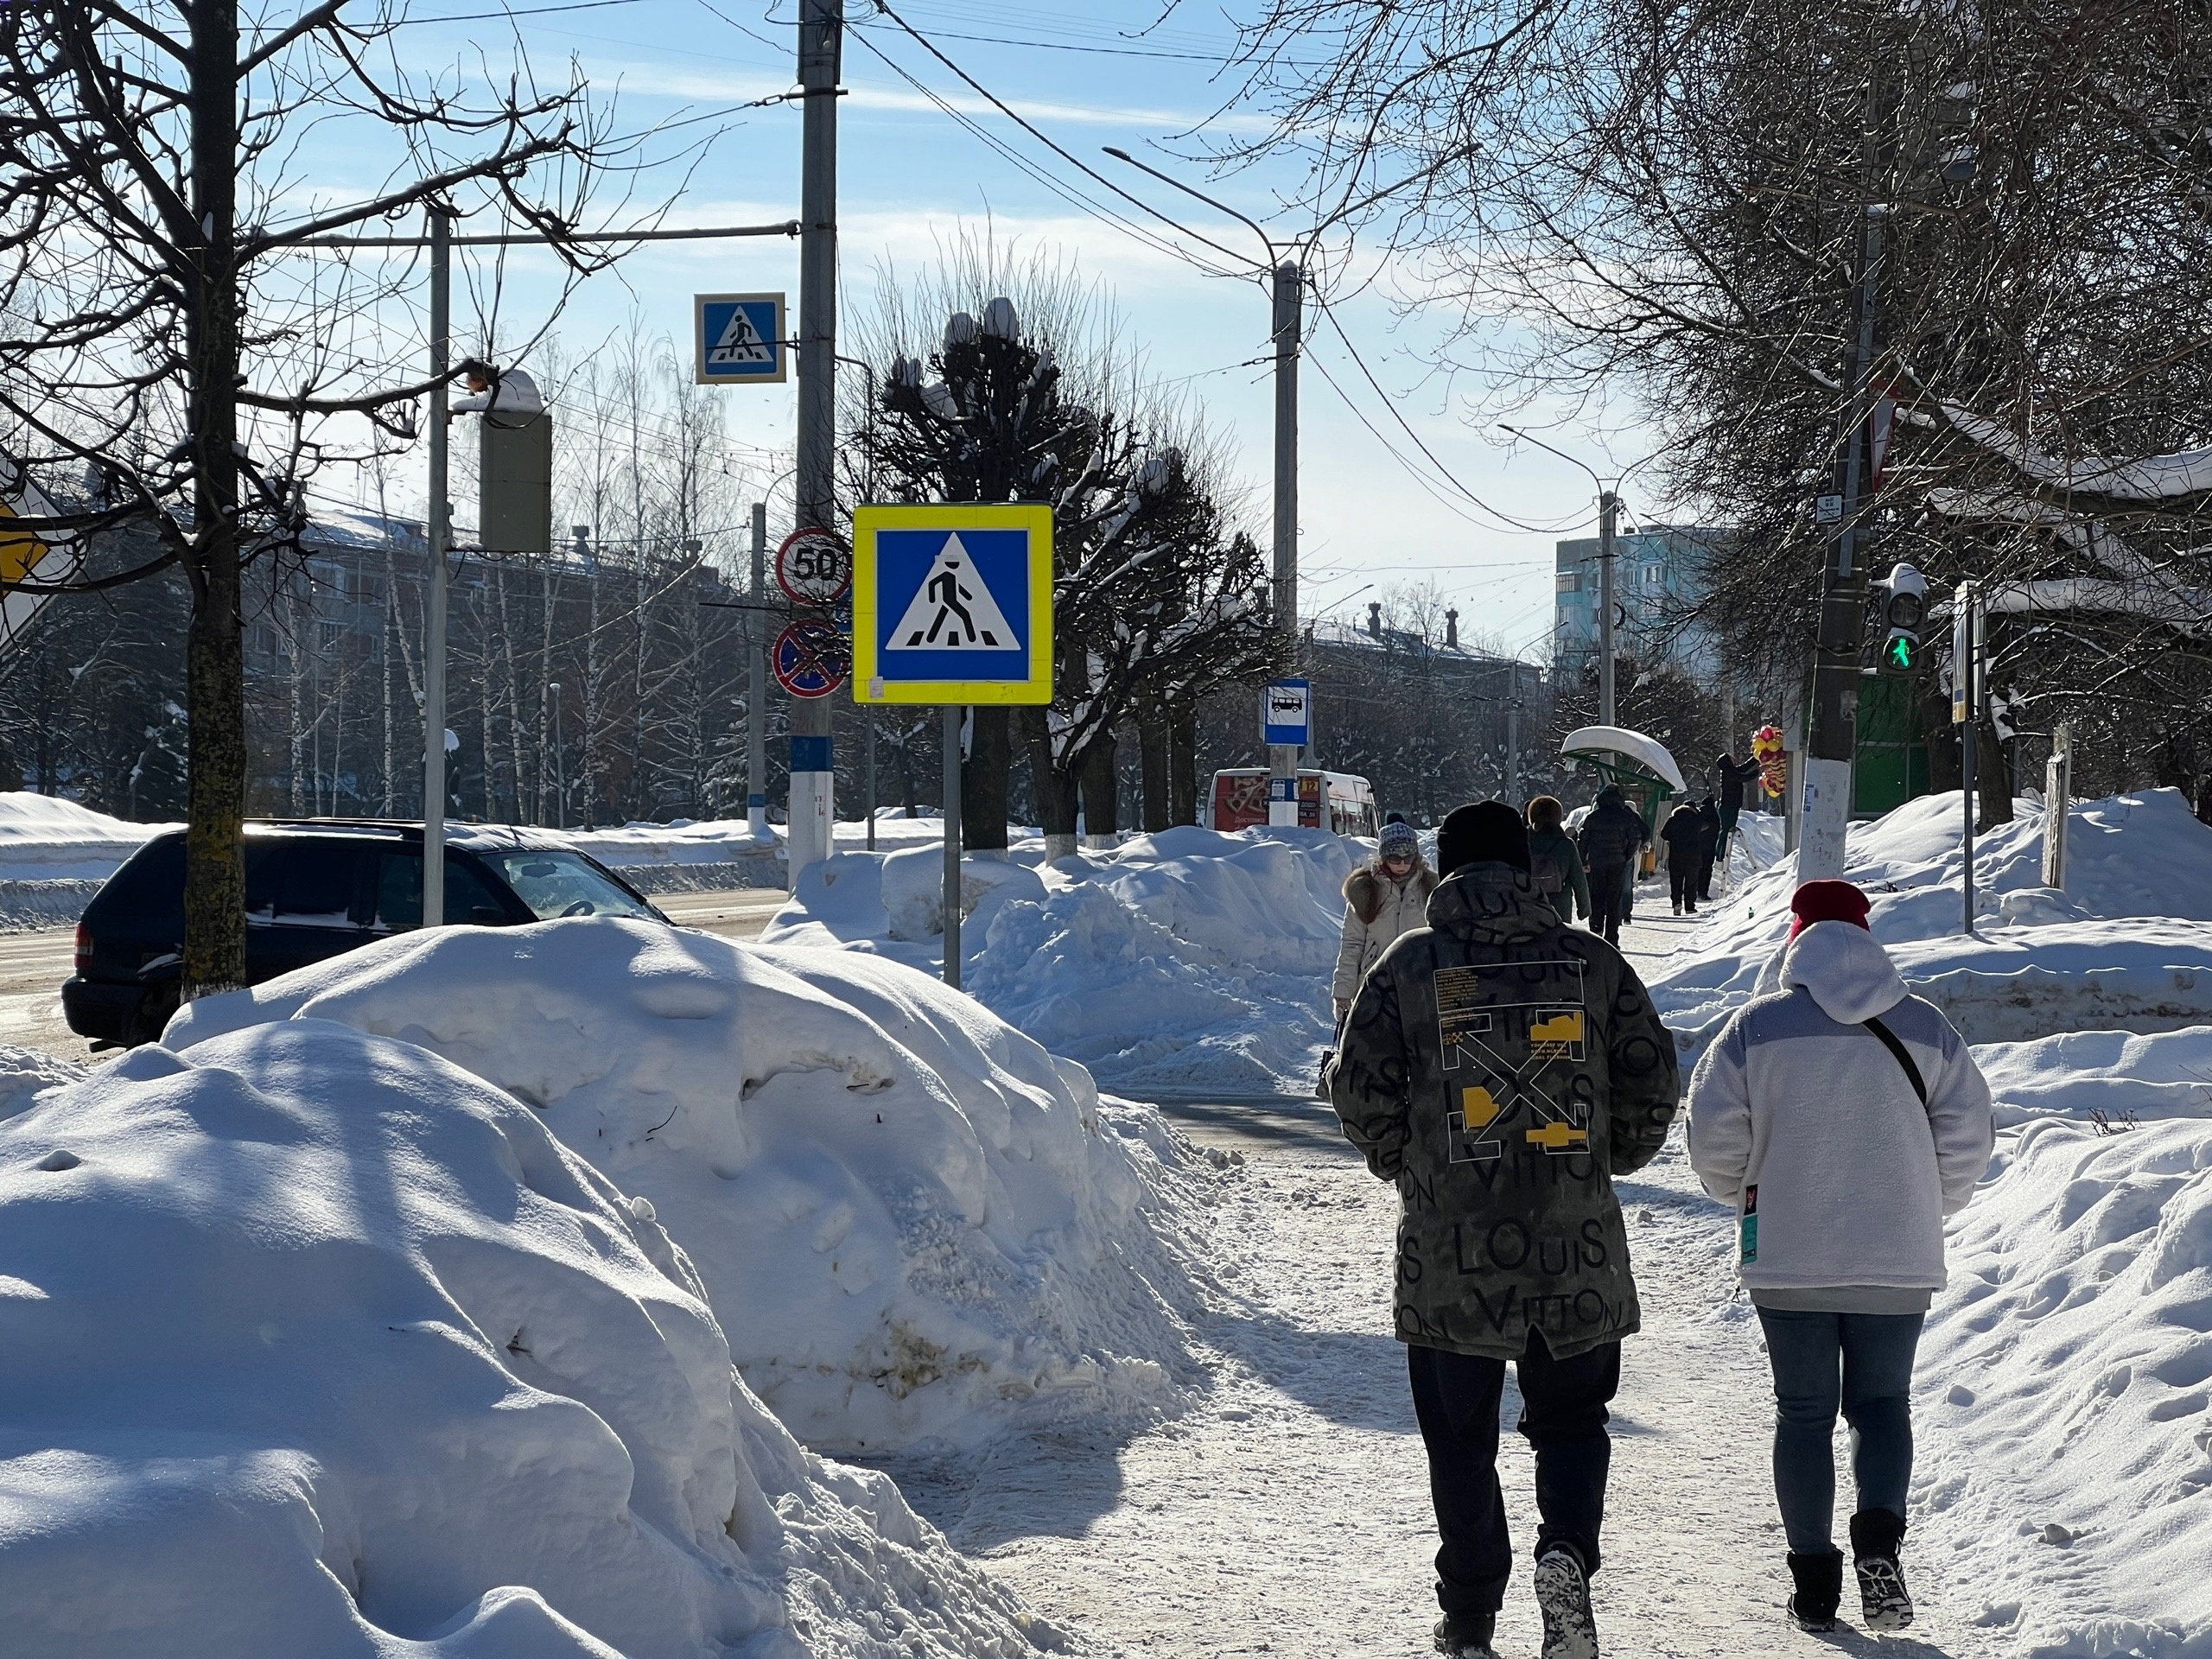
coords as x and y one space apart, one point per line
1288 1514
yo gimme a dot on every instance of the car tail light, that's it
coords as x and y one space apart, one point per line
84 951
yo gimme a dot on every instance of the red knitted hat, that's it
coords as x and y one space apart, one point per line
1827 901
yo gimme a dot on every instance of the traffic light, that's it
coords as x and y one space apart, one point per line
1904 608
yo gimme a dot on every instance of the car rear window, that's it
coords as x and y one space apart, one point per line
302 883
555 884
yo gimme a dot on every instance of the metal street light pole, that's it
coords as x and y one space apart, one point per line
1609 507
756 693
560 763
813 814
1286 283
437 530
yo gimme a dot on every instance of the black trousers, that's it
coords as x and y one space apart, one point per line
1682 882
1608 900
1705 876
1563 1416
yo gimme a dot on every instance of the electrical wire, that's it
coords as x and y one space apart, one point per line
1328 313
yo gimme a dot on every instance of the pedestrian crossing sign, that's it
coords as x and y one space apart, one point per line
738 337
952 604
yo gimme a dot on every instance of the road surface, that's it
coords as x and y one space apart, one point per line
33 965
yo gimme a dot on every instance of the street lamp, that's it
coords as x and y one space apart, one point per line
1286 279
560 764
1609 506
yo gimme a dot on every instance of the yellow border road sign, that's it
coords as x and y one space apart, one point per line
952 604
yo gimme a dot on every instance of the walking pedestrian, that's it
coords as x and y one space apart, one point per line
1684 834
1502 1068
1554 860
1384 897
1843 1120
1708 818
1611 837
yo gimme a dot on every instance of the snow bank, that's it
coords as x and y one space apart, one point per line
1182 963
54 856
2065 1475
716 843
912 1223
25 1074
2125 946
315 1344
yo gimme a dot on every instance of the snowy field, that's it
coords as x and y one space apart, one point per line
54 856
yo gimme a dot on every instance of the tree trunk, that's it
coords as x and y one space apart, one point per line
1102 802
983 777
1056 792
214 863
1152 758
1992 775
1183 767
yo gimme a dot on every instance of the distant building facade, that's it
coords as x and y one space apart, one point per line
1658 578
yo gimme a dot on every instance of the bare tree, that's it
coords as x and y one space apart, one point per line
160 237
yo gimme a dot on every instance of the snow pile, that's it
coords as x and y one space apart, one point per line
2126 944
55 853
1185 961
2065 1476
25 1074
315 1344
912 1223
686 855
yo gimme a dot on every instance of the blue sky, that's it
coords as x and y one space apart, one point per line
1089 73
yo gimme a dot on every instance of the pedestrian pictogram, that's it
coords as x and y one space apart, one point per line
953 604
738 337
953 610
812 658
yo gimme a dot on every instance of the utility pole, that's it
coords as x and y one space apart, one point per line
438 532
1289 306
1608 510
756 696
813 758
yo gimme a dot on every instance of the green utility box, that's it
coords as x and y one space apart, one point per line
515 507
1890 764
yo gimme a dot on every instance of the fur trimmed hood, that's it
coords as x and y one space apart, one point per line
1363 888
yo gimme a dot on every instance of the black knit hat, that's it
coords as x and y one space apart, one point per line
1482 832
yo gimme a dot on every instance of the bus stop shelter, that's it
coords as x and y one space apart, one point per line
1639 763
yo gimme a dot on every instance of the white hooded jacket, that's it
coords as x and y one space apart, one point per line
1802 1117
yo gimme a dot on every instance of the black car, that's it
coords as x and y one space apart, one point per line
316 888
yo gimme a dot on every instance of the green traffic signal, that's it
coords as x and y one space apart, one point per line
1901 653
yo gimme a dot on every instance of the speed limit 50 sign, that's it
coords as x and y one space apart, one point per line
814 566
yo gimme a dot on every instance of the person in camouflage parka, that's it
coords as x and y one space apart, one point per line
1500 1068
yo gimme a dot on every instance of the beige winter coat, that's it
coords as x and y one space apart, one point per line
1376 911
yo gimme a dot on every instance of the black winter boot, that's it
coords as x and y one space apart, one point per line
1875 1535
1467 1636
1820 1587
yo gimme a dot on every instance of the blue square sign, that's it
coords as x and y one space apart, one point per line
738 337
953 604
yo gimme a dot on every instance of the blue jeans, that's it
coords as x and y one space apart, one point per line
1863 1364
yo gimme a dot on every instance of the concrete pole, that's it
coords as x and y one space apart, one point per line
1513 736
437 531
813 759
756 694
1289 297
955 717
1609 507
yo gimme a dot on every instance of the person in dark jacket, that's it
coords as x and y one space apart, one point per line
1501 1068
1611 837
1554 861
1708 818
1684 834
1731 775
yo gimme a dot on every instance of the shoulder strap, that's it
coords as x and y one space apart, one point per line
1905 1057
